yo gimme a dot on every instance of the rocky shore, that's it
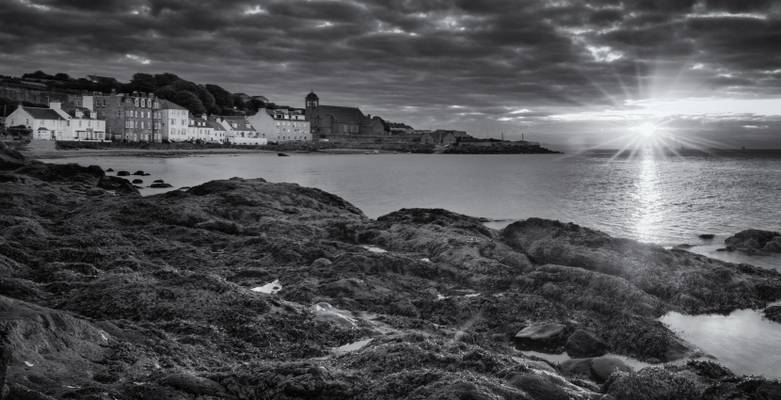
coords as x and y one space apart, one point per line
245 289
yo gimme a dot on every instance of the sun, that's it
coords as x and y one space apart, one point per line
647 130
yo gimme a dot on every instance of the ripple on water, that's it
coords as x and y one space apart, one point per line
743 341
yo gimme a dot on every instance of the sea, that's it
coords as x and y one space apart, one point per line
665 199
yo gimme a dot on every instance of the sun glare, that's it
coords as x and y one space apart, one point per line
647 130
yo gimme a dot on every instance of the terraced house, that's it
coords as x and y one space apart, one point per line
131 117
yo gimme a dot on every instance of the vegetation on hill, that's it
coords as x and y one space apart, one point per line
197 98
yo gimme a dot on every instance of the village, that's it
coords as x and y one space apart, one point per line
81 119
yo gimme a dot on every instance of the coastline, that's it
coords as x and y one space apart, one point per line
242 286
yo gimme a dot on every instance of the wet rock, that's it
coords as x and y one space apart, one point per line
707 236
654 384
583 343
543 336
755 241
137 181
110 170
118 185
539 387
123 173
773 313
139 173
598 369
194 385
160 185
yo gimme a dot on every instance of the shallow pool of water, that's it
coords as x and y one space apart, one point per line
743 341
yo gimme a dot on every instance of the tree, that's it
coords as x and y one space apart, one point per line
165 79
143 83
189 101
222 97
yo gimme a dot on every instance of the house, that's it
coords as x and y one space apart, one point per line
45 123
54 123
282 124
238 130
330 121
133 117
174 121
198 130
218 132
441 137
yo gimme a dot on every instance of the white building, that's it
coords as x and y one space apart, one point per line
239 131
45 123
174 122
282 124
198 129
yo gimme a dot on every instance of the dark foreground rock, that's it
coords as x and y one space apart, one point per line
754 241
244 289
773 313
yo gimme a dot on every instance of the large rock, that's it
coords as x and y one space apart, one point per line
9 158
755 241
583 343
543 336
773 313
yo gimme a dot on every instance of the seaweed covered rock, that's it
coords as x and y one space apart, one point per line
755 241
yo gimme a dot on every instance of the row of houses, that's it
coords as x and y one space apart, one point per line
138 117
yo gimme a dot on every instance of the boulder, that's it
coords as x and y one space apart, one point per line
123 173
773 313
160 185
583 343
195 385
542 336
654 384
118 185
139 173
598 369
755 241
707 236
137 181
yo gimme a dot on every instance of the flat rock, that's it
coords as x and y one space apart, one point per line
544 336
755 241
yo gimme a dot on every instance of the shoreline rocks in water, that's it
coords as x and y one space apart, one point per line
109 294
754 241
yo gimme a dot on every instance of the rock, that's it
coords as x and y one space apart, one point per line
755 241
707 236
158 181
139 173
118 185
544 336
538 387
110 170
123 173
583 343
603 367
654 384
195 385
160 185
773 313
10 159
137 181
598 369
21 392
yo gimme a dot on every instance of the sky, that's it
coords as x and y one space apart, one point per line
564 72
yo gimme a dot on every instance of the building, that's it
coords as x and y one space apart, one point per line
198 130
218 132
174 121
239 130
131 117
54 123
327 122
441 137
45 123
282 124
398 128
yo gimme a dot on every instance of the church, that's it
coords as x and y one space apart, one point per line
336 122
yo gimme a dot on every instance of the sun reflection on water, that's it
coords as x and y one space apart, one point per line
647 197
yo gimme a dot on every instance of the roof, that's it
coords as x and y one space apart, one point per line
242 124
169 105
214 124
342 114
311 96
42 113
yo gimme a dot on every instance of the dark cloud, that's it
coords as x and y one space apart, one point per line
454 63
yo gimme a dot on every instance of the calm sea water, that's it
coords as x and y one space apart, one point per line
664 200
668 201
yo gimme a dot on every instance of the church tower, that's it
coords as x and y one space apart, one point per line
312 102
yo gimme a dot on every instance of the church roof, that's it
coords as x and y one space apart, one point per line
311 96
42 113
342 114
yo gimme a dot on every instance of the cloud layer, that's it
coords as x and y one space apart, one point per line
434 63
